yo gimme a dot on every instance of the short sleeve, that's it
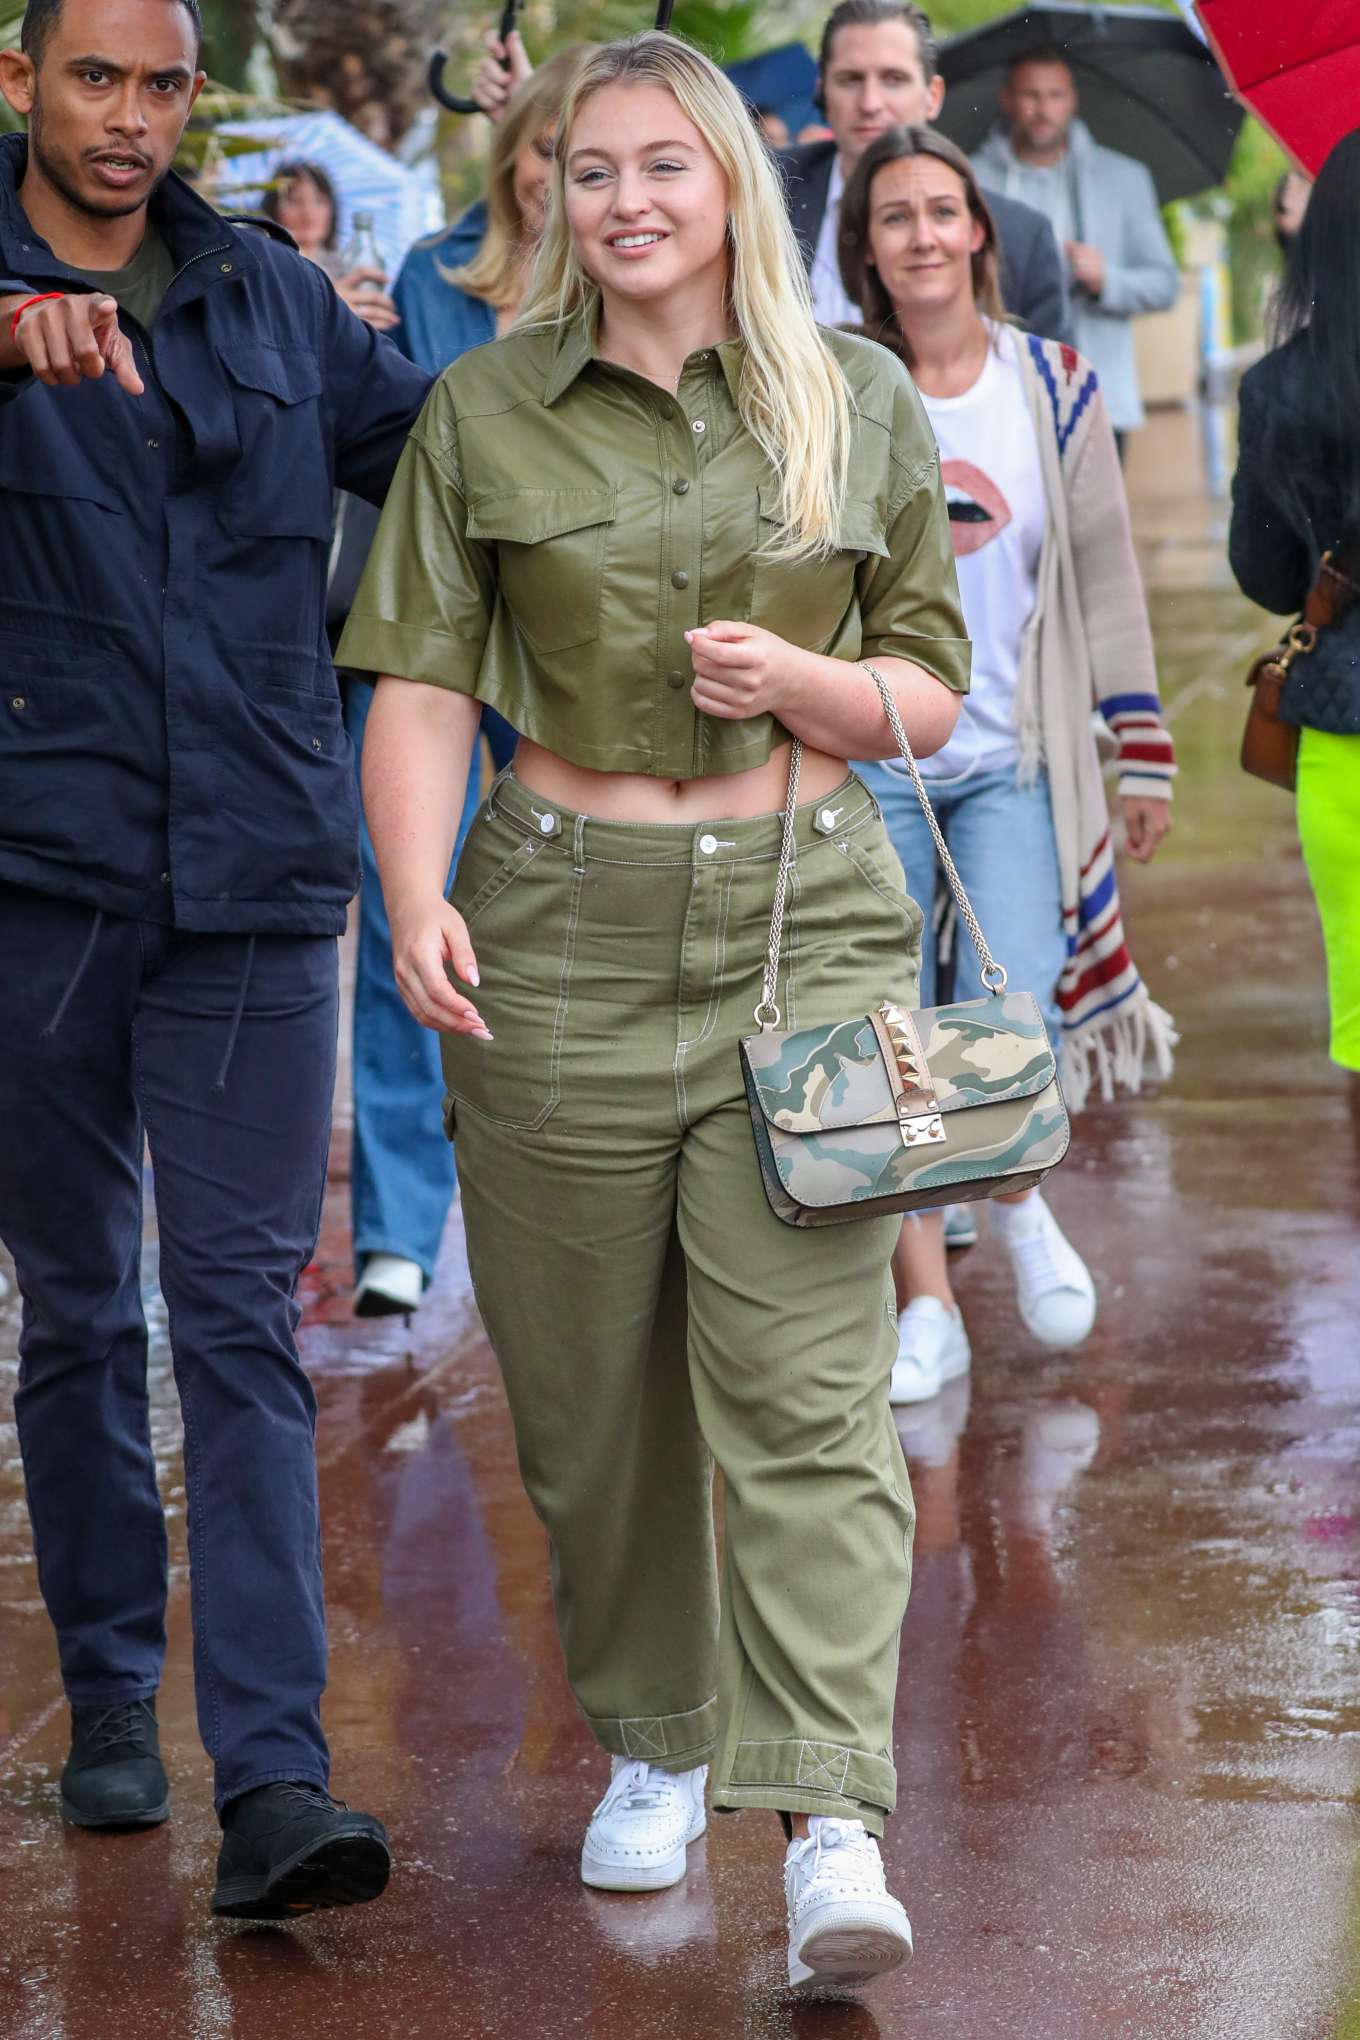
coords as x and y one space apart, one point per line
909 602
424 606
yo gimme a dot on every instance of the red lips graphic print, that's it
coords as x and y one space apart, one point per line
978 512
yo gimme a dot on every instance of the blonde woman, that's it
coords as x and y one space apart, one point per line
465 284
657 526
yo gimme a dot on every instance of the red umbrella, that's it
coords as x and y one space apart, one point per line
1297 67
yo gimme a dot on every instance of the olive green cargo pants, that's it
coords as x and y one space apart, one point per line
652 1316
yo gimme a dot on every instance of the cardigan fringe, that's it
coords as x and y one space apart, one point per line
1087 648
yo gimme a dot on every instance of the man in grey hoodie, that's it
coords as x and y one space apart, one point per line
1102 207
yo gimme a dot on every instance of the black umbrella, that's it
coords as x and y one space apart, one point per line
439 61
1149 87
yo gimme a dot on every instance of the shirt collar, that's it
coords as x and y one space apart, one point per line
575 349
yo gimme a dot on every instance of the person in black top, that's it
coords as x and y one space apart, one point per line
1296 496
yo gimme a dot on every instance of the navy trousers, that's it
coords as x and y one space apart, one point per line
220 1050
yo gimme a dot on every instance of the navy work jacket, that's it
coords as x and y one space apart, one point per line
171 745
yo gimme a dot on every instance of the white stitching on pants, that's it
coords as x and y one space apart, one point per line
719 959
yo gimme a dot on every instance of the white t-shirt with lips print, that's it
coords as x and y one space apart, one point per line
989 454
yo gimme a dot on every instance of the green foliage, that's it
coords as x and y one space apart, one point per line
1257 166
10 21
231 29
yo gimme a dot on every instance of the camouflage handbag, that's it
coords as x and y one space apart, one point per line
894 1110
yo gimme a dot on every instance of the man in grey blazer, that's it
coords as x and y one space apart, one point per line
878 69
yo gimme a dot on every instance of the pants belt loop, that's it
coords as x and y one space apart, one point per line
579 847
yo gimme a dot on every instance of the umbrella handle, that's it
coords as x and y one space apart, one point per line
664 11
439 64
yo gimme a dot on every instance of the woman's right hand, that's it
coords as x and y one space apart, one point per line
426 939
502 71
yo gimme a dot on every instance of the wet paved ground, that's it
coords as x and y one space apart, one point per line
1129 1718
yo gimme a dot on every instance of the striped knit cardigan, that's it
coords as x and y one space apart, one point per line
1088 646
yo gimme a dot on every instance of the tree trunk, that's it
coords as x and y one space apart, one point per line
366 58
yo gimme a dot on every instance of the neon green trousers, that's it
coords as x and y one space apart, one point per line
1329 830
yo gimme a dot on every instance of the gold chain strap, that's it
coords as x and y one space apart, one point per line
993 974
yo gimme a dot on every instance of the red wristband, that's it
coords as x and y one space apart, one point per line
43 297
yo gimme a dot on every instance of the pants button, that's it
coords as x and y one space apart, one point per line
547 825
708 844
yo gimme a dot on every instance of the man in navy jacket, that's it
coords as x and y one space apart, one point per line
177 849
878 69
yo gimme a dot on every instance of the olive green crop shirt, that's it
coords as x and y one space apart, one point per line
557 523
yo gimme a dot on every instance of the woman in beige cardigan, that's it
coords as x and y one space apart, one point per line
1054 606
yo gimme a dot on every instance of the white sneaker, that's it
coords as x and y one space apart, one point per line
389 1286
932 1348
960 1226
1053 1286
845 1928
640 1830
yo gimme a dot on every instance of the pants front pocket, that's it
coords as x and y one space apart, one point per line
520 898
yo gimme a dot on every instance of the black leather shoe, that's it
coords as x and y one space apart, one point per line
114 1777
291 1849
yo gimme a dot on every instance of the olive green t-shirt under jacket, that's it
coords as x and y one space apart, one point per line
557 523
141 284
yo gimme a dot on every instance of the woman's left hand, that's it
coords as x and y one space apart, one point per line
1145 824
740 670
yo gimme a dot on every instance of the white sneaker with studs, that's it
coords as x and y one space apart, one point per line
845 1927
640 1830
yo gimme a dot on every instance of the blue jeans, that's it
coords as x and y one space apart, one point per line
220 1051
1000 835
402 1174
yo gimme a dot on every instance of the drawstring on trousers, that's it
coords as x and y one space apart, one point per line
221 1083
86 953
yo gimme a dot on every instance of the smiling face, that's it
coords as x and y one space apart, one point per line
922 235
646 198
875 79
108 101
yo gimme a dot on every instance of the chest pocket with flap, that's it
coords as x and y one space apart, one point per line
551 546
805 600
281 488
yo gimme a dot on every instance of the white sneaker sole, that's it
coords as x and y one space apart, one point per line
602 1874
848 1945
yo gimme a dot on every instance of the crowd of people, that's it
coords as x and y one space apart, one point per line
689 483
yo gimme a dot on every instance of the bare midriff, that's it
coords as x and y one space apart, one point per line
634 797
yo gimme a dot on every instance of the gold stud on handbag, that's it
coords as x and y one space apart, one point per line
896 1110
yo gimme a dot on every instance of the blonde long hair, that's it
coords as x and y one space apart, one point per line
793 398
494 272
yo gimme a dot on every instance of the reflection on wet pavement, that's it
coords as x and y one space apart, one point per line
1129 1711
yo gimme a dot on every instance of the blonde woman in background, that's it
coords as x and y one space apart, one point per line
455 291
656 527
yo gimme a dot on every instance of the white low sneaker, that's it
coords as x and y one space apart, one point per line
1053 1286
640 1830
845 1927
389 1286
960 1226
932 1348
